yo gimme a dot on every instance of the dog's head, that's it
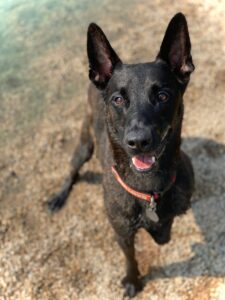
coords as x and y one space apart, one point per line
143 101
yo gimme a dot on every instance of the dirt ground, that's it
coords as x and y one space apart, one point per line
43 84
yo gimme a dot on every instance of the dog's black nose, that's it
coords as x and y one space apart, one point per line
138 142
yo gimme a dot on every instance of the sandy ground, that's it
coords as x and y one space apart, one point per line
73 255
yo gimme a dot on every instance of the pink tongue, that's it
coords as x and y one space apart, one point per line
143 162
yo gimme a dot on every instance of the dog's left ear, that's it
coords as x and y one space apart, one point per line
176 48
102 57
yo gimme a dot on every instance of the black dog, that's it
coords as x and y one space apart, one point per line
136 115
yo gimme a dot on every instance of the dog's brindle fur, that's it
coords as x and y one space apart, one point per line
136 109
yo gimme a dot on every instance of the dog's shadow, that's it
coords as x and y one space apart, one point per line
91 177
208 208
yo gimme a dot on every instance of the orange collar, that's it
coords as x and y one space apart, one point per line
140 195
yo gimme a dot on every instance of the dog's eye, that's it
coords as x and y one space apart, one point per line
119 100
163 96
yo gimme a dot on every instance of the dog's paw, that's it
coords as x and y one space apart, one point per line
131 286
161 239
56 202
162 234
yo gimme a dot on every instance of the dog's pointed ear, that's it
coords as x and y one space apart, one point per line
102 57
176 48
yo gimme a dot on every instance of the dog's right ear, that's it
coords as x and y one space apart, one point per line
102 57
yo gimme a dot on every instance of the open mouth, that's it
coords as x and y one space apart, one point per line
143 162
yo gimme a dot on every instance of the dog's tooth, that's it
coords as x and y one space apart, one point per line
153 159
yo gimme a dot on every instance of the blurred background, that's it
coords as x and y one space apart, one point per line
43 88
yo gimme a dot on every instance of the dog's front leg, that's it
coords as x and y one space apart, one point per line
131 281
82 153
